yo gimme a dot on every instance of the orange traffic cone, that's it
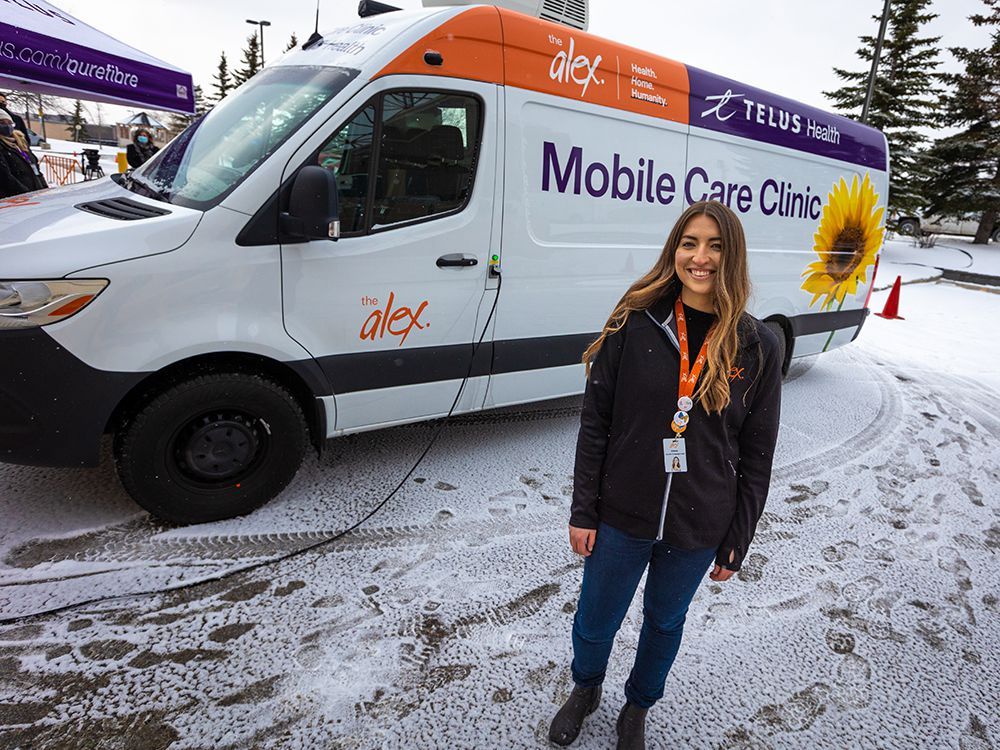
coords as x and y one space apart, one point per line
892 304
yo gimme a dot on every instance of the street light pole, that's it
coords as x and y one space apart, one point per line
875 56
261 24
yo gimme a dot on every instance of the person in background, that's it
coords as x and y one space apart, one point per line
19 172
16 119
141 149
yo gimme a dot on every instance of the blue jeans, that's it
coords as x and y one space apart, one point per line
610 577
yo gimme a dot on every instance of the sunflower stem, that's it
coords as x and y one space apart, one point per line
833 332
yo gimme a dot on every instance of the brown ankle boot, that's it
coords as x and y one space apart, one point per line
632 728
567 722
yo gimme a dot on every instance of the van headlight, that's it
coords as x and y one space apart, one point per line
29 304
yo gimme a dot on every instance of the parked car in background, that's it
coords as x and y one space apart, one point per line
965 226
33 138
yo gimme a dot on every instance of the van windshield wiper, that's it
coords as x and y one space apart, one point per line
150 190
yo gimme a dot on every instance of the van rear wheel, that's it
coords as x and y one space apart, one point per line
211 447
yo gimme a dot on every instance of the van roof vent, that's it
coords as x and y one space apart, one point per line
122 209
568 12
572 13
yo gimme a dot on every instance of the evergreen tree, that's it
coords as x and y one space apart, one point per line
966 166
179 122
223 79
293 42
78 123
251 61
901 101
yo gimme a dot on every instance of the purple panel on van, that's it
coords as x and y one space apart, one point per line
726 106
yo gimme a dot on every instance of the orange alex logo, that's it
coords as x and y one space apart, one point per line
736 373
17 201
391 320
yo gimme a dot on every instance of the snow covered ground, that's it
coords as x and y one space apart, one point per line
901 256
867 615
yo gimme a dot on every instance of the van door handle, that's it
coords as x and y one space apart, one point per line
456 259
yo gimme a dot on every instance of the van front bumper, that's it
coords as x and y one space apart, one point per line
53 406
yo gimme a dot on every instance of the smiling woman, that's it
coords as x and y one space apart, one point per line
679 365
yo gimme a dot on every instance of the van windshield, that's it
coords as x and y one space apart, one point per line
215 154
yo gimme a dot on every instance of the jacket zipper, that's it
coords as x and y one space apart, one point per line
665 327
663 508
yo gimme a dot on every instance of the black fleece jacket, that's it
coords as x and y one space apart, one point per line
17 174
628 406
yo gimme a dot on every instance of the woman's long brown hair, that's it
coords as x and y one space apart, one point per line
732 290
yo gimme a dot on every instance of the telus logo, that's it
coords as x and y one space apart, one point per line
569 68
721 100
753 112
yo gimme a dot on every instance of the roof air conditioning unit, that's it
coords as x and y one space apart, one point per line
572 13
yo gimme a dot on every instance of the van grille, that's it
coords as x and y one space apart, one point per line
122 209
569 12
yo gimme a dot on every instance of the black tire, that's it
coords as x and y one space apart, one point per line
256 431
776 328
910 227
996 235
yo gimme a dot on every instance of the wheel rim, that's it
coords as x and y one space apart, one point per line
220 447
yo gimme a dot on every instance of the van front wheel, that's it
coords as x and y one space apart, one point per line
215 446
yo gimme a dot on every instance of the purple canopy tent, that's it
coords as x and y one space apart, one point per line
47 51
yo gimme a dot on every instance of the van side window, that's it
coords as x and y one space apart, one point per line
348 154
428 146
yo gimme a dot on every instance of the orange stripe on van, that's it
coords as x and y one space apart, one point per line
505 47
556 59
470 44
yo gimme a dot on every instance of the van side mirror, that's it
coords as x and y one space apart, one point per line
313 206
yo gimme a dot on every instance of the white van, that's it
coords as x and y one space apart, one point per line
318 255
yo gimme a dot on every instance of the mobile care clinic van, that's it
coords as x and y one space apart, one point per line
210 311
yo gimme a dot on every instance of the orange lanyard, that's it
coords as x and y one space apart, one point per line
688 375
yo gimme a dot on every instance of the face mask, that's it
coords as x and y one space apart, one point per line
143 140
7 130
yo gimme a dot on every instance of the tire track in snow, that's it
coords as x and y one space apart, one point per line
139 545
140 539
880 430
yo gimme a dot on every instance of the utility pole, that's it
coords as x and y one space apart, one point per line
875 57
41 117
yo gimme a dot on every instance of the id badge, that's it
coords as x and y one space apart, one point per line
674 455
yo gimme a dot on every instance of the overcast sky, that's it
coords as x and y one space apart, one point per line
786 46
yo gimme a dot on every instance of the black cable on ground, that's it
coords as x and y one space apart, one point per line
302 550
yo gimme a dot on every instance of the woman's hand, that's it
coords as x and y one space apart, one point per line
720 574
582 540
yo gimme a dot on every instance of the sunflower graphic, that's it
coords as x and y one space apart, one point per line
847 241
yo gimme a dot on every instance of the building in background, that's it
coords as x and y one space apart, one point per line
59 127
